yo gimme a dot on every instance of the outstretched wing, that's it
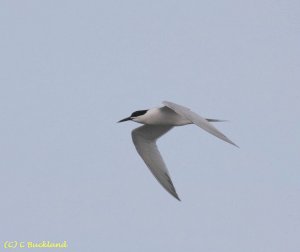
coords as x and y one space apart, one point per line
198 120
144 139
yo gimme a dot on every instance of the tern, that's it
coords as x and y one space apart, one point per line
157 122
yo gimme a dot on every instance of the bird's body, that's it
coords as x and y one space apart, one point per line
158 121
162 116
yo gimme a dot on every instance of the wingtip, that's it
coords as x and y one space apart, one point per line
178 198
234 144
216 120
175 195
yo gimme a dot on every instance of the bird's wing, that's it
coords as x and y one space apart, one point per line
198 120
144 139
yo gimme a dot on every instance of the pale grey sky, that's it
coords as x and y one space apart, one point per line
69 70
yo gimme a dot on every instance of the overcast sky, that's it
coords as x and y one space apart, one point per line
69 70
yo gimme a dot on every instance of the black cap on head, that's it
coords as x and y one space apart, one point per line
134 114
138 113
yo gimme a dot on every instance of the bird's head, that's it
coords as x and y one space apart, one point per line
136 116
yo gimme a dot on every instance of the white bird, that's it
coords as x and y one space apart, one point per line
158 121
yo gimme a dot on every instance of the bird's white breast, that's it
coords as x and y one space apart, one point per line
162 116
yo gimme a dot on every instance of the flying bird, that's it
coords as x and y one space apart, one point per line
157 122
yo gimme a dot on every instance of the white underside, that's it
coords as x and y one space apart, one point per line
162 116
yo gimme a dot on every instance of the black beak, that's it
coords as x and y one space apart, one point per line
125 119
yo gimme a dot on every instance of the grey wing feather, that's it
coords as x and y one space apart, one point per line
144 139
198 120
